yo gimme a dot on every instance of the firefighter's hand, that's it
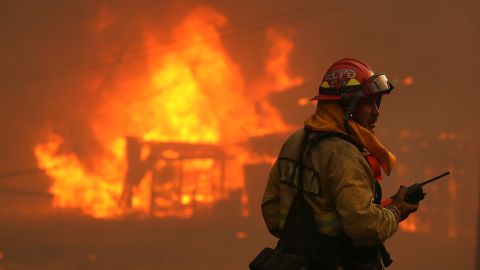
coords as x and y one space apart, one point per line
401 206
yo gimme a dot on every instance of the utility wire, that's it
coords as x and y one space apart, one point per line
300 13
17 173
17 192
20 173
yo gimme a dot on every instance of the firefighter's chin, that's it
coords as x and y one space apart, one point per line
372 126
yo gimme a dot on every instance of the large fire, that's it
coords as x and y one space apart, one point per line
190 93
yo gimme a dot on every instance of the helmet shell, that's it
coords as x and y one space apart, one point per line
346 75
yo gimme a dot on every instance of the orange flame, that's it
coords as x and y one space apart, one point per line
278 61
75 186
192 92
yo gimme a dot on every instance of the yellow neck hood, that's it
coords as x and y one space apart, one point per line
329 117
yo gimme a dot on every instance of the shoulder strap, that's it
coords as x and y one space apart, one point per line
300 168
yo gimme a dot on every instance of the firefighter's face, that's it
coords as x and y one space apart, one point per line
366 113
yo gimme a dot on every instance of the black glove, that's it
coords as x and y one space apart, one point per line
402 208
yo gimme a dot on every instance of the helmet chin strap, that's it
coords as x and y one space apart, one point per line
379 101
349 103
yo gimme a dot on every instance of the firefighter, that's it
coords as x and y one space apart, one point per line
341 173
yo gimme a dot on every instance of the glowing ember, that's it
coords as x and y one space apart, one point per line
241 235
407 81
445 136
191 95
304 102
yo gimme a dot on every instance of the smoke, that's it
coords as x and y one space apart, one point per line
59 59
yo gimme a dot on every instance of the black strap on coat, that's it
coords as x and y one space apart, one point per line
300 233
300 225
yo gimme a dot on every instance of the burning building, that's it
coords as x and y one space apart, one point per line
173 138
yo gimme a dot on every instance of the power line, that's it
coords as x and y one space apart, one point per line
20 173
300 13
23 172
16 192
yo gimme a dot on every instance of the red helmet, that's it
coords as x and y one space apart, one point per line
349 76
349 80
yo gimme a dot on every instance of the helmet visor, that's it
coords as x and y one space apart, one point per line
378 84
